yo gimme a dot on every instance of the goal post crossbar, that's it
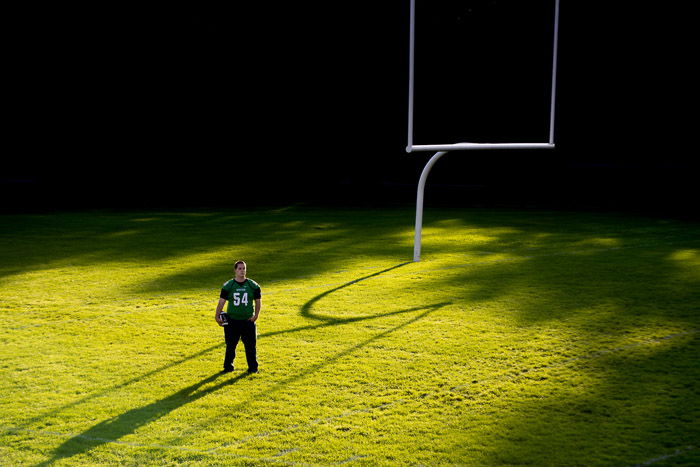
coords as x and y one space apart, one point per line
463 146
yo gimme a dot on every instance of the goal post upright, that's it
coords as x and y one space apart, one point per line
443 149
411 75
555 47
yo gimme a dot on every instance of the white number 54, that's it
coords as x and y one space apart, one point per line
238 298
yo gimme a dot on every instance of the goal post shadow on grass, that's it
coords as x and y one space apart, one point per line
306 309
443 149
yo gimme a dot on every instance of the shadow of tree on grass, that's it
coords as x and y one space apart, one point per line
580 279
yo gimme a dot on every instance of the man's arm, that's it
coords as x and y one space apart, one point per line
219 309
257 310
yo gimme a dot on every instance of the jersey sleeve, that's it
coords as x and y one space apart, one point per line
256 289
225 290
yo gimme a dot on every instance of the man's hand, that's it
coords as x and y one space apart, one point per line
256 313
219 310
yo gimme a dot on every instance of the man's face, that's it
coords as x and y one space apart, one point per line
240 270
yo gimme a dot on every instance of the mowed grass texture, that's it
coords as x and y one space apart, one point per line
542 338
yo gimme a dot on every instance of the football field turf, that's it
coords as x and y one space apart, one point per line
541 338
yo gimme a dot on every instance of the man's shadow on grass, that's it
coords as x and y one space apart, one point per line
113 429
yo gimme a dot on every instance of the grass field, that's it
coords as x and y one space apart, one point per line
541 338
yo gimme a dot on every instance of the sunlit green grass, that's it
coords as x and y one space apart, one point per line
537 338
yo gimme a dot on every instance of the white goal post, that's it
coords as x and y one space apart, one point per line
443 149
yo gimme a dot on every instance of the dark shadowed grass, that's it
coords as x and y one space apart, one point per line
521 338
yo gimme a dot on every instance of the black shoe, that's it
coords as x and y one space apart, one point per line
227 370
252 371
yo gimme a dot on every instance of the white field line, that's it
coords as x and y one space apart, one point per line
300 426
350 459
296 427
58 434
675 453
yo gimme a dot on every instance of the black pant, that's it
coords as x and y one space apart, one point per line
246 331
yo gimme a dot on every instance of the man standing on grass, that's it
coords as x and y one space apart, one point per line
243 296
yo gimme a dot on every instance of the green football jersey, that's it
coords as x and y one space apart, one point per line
241 298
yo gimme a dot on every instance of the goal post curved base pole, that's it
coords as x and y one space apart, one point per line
419 204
